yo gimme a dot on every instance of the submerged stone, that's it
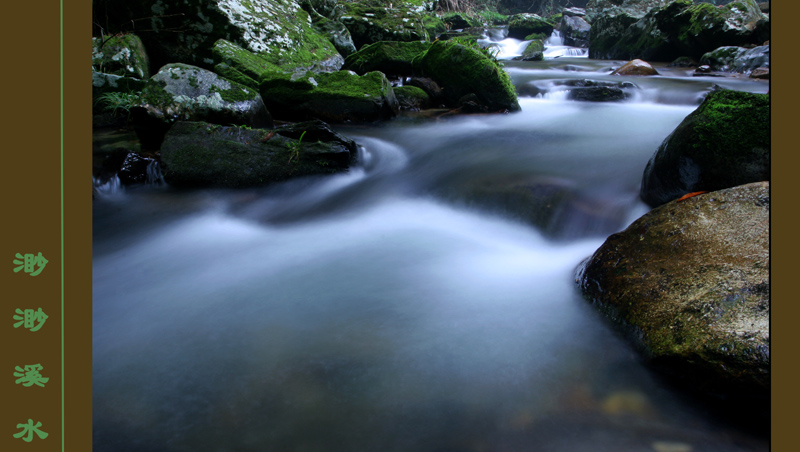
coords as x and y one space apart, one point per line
636 67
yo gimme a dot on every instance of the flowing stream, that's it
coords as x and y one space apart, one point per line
413 304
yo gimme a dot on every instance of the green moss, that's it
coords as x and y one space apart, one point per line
733 120
389 57
533 36
236 93
235 63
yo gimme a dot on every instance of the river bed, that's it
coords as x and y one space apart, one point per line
405 305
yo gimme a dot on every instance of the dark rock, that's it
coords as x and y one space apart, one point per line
679 28
335 31
461 70
688 284
196 154
389 57
136 169
598 94
123 55
341 96
185 32
636 67
575 31
683 61
369 23
430 87
179 92
725 142
457 21
522 25
632 8
412 98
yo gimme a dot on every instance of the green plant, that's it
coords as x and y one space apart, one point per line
294 149
119 101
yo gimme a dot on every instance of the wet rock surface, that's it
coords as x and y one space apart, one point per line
688 285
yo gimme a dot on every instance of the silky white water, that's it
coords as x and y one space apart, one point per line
405 305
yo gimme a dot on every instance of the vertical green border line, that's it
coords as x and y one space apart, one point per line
61 30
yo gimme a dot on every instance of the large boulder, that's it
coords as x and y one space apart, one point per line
522 25
123 55
389 57
333 29
681 28
202 154
370 21
461 70
240 65
737 59
575 31
632 8
688 283
341 96
725 142
180 92
185 31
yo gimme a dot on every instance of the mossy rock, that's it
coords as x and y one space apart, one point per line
462 70
372 21
534 51
722 59
688 284
327 23
240 65
199 154
185 31
458 21
737 59
389 57
341 96
680 28
521 25
725 142
109 83
412 98
181 92
123 55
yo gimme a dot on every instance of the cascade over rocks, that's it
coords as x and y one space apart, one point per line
341 96
725 142
180 92
185 31
461 70
688 283
196 154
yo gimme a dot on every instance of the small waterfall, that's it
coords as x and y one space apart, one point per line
112 187
153 173
554 48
